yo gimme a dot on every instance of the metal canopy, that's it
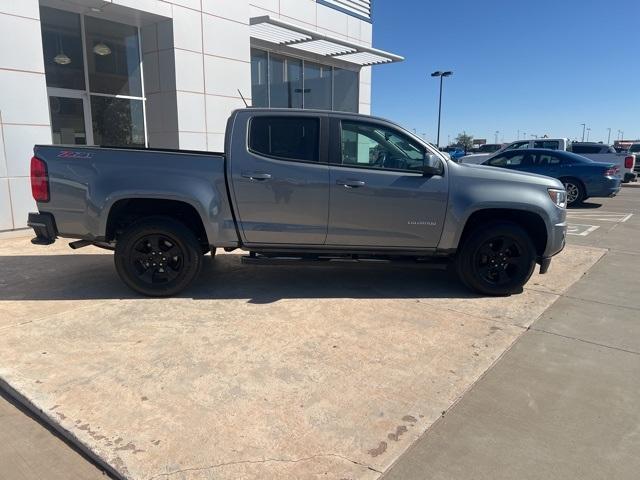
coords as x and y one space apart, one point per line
276 31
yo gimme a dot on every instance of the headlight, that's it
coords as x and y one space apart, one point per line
559 197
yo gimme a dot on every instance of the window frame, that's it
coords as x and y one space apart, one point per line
322 139
336 140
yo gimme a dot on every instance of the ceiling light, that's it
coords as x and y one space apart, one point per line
62 59
102 49
96 9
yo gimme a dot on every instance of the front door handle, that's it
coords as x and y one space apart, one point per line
259 176
351 183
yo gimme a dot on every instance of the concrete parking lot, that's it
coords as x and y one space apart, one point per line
280 372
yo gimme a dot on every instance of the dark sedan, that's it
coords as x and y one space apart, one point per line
581 177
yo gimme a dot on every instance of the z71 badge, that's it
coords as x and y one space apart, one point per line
74 154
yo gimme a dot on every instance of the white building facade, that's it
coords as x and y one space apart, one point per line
167 74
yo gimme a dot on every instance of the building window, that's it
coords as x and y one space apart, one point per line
285 82
96 93
345 90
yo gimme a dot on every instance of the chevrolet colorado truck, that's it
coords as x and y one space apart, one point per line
298 186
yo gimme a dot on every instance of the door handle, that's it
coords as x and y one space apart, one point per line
259 176
351 183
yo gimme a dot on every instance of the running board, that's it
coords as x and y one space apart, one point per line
438 264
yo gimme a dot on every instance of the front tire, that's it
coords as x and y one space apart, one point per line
158 257
496 259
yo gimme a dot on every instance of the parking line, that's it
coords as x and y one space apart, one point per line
574 229
601 216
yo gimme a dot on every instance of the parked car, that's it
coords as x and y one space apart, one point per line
548 143
594 151
635 150
298 185
601 152
455 153
582 178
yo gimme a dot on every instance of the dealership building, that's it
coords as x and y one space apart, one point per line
167 74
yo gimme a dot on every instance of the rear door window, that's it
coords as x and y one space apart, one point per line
286 137
545 160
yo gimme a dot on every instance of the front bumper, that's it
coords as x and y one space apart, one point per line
44 226
556 240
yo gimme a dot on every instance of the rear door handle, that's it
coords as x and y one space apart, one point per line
259 176
351 183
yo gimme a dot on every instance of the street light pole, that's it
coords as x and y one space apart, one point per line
609 137
497 133
588 132
583 125
440 74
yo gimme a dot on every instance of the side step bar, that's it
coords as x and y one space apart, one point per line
438 264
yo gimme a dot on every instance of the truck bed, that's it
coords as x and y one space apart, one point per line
86 183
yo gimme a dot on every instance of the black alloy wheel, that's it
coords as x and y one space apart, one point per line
500 260
158 256
497 258
156 259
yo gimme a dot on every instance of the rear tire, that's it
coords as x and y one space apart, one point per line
575 191
496 259
158 256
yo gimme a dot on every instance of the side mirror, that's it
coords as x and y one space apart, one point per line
432 166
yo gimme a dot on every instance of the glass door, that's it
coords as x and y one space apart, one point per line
69 112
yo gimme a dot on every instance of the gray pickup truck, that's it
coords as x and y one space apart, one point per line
298 186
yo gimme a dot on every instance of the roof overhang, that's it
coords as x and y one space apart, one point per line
281 33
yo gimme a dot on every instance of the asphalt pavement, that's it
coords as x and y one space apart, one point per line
563 402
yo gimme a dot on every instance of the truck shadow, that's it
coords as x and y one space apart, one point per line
85 277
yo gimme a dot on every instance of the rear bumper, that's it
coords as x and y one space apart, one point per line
609 187
44 226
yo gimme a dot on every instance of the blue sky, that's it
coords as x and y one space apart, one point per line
541 67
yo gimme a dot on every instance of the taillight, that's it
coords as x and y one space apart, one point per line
39 180
628 161
610 172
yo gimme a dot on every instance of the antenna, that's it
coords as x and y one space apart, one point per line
242 97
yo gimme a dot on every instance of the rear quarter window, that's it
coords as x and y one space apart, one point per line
286 137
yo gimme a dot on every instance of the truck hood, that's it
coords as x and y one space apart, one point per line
502 174
476 158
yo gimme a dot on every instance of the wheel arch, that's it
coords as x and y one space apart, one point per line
529 221
125 211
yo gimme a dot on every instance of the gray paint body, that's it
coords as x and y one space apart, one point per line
302 205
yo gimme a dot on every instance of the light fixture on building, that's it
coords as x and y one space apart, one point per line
102 49
61 58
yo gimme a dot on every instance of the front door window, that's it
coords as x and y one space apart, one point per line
372 146
96 93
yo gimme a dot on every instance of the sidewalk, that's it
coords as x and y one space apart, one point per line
564 401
